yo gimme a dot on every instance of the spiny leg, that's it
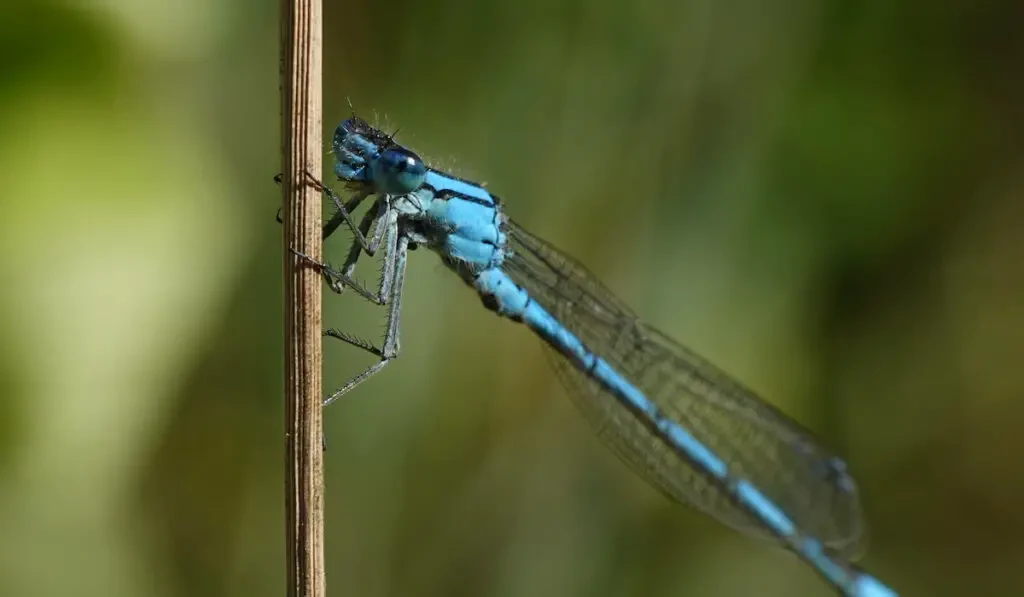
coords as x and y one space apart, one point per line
343 213
392 345
355 251
339 280
379 215
340 216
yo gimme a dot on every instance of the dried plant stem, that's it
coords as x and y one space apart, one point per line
301 151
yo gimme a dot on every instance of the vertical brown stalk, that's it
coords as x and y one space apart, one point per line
301 153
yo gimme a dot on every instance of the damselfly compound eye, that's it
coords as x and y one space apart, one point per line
398 171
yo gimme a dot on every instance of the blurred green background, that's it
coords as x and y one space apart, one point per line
823 197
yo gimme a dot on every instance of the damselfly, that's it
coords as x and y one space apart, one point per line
681 423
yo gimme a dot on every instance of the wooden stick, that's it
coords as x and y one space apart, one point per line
301 153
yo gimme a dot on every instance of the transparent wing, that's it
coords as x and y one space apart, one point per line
760 443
